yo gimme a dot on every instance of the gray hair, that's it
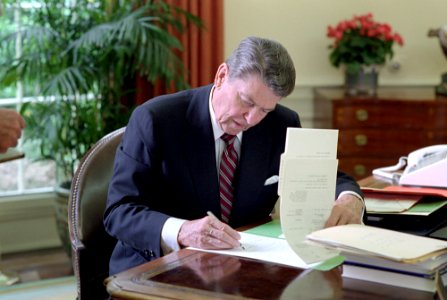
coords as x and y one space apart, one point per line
266 58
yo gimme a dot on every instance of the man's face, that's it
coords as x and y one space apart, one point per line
240 103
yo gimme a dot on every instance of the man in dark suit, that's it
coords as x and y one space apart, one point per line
166 173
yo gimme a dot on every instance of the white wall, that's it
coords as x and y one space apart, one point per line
300 25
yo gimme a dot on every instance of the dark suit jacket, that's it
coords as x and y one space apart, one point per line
166 166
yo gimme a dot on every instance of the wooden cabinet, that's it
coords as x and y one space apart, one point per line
374 131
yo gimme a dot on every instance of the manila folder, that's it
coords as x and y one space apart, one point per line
390 244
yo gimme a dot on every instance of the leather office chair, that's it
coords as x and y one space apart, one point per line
91 245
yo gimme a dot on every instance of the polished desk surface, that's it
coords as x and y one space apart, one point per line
190 274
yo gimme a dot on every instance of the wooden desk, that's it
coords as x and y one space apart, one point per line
189 274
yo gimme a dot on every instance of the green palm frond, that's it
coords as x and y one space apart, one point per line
94 48
69 81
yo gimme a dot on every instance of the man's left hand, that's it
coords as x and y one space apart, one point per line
347 209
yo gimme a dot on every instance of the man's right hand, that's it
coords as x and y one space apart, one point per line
11 125
208 233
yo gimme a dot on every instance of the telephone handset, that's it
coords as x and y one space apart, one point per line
424 167
425 157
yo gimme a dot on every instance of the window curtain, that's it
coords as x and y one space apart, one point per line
202 48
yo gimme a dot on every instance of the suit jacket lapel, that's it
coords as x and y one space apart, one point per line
254 162
200 150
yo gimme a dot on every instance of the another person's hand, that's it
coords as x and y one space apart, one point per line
11 125
208 233
347 209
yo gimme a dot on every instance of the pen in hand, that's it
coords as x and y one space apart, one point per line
209 213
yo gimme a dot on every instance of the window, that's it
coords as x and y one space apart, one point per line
24 175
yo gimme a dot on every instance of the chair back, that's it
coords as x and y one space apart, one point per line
91 245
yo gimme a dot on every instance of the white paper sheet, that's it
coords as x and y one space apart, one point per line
307 188
311 143
266 249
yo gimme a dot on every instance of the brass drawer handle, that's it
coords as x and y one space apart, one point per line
361 140
361 114
359 170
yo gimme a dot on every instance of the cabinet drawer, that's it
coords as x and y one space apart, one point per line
361 167
386 142
389 115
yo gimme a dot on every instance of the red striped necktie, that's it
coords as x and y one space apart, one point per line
228 165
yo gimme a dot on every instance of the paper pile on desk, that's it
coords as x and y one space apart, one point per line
387 256
404 200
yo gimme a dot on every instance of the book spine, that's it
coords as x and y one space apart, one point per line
430 275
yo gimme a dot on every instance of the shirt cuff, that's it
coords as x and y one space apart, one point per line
358 197
169 235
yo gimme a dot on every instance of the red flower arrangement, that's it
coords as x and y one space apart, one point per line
360 42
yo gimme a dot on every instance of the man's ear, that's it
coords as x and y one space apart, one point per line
221 74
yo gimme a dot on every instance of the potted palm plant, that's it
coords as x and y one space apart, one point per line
82 57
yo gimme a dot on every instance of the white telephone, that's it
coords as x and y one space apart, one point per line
424 167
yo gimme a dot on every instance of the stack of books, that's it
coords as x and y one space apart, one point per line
428 275
387 256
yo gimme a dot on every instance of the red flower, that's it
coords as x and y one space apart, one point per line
362 41
398 39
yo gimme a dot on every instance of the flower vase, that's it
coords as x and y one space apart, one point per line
363 82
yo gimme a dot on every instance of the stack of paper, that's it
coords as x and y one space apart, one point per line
419 276
404 200
413 210
307 179
390 203
388 256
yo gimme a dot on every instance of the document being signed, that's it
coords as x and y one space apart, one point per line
307 179
306 187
